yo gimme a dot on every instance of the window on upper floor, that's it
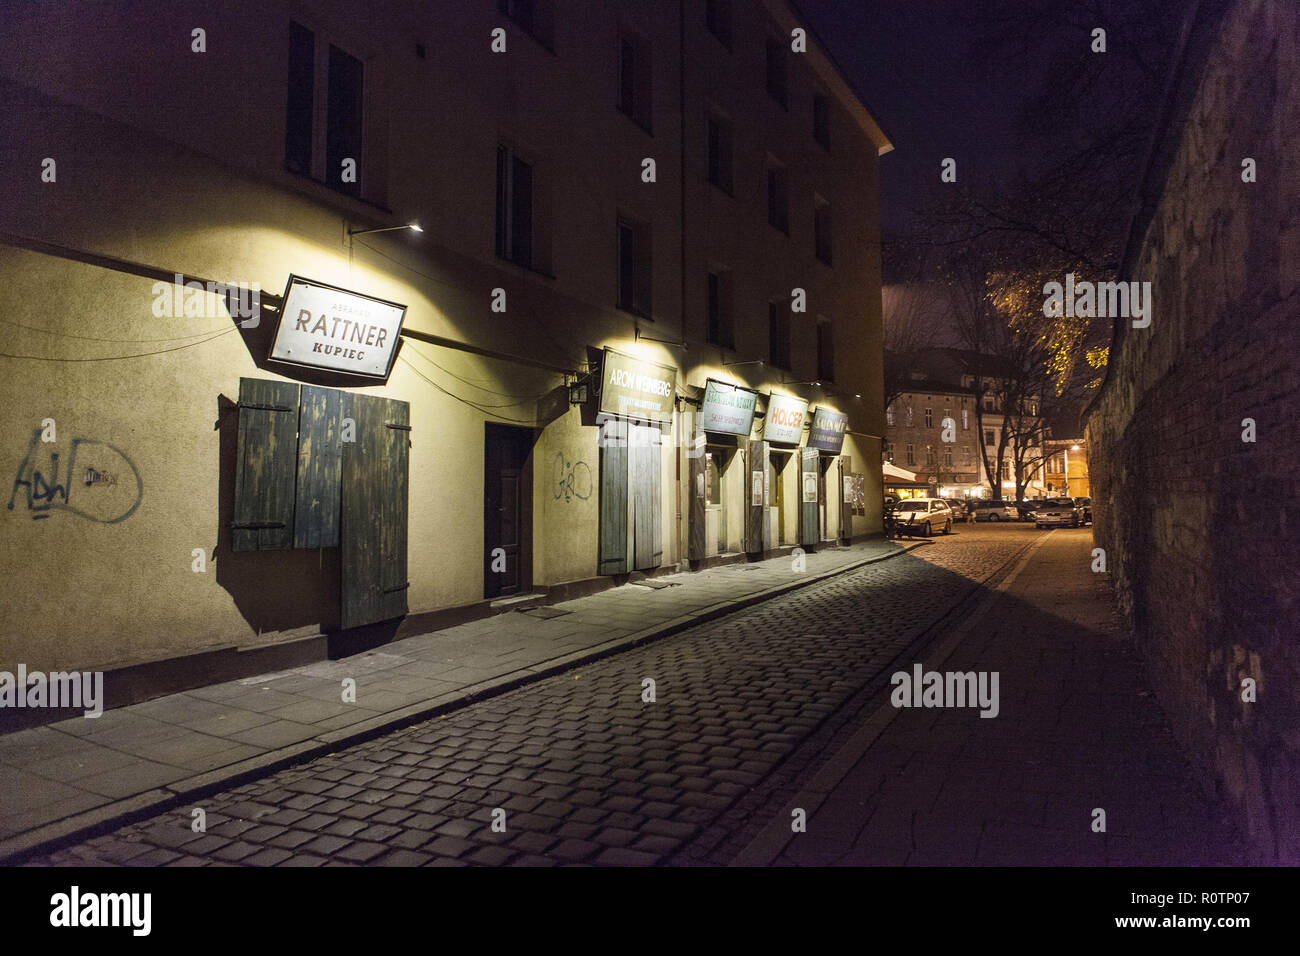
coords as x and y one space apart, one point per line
929 418
825 350
325 125
822 120
634 264
720 330
778 196
720 152
988 403
988 437
778 71
911 454
514 222
534 17
965 418
778 333
822 229
889 414
717 17
634 78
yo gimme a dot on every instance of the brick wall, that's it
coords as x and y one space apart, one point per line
1199 526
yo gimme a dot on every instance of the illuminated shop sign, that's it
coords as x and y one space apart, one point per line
631 388
727 408
784 420
827 432
323 326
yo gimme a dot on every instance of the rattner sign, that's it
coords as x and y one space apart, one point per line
324 326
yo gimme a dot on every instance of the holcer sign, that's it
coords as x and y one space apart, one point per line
326 327
827 432
784 421
635 389
727 408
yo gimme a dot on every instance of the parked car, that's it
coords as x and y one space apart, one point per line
1086 505
996 510
1058 511
1027 507
958 507
923 516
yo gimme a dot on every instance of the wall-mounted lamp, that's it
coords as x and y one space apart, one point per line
758 362
413 226
638 337
579 391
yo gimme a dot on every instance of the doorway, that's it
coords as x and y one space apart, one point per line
507 510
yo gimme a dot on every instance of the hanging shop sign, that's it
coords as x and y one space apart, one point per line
727 408
323 326
827 432
784 420
632 388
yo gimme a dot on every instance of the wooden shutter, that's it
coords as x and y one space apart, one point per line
808 531
846 506
374 512
320 458
645 486
755 514
698 464
613 497
265 465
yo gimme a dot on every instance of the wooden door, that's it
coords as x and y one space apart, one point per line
506 525
809 530
645 495
613 497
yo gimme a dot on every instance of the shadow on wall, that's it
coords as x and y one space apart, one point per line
282 590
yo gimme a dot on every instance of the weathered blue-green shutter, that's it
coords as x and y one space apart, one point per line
266 461
320 461
374 512
613 497
645 486
808 528
697 511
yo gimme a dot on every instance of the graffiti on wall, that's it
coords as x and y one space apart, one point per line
571 479
107 489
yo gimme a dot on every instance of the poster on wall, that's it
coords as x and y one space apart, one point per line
756 484
784 420
810 487
727 408
323 326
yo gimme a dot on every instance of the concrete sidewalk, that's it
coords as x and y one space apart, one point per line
1078 731
81 774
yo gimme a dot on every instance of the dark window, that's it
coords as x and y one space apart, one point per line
822 230
822 120
778 198
911 455
514 228
720 153
717 15
634 267
302 70
778 334
988 437
826 353
777 80
929 418
720 330
634 78
343 122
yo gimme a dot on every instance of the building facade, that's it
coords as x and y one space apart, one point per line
638 330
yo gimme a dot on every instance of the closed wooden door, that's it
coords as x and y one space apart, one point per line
505 522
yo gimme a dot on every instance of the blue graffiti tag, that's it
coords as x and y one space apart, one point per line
45 495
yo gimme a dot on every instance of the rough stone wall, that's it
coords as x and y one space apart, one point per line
1200 526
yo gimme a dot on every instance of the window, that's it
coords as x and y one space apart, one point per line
778 333
907 410
967 456
988 437
777 73
514 231
720 153
822 120
778 196
825 351
634 267
911 455
720 329
324 126
947 456
822 229
532 16
929 418
889 414
965 419
929 455
988 403
302 70
717 16
889 451
634 78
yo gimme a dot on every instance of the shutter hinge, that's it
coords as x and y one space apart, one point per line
400 428
400 587
256 525
268 408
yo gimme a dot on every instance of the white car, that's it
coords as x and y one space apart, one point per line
923 516
1058 511
996 510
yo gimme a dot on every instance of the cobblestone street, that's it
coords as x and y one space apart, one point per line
583 768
